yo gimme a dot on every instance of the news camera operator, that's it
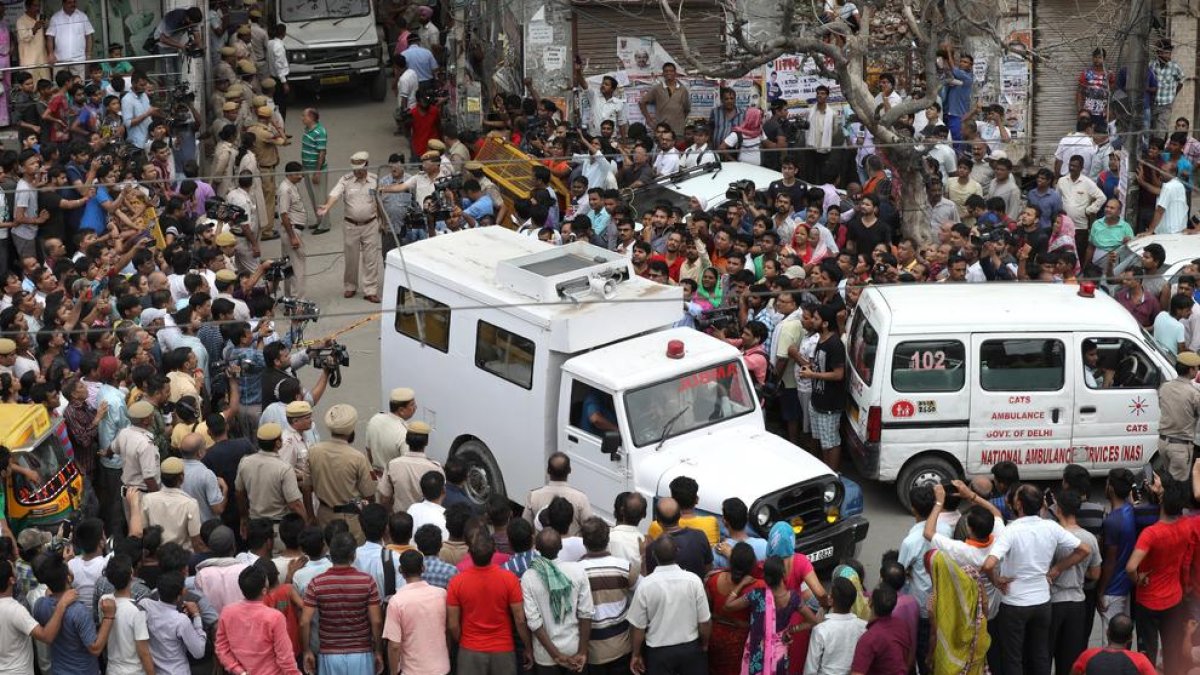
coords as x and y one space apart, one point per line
281 364
246 354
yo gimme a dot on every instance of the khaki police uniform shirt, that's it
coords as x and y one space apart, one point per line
176 512
386 439
224 69
294 452
402 481
1179 403
265 149
541 498
288 200
340 473
269 483
358 196
139 455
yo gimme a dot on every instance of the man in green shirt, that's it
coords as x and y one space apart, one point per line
312 155
1107 235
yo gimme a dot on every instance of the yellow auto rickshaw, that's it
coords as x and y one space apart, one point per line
58 491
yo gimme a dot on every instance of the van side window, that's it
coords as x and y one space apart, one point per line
929 366
504 354
1021 365
1116 363
592 410
864 343
433 318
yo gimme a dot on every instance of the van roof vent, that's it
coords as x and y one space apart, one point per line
571 271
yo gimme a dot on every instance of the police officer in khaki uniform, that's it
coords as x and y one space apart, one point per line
267 140
341 474
226 67
267 486
258 40
361 234
400 486
172 509
1179 406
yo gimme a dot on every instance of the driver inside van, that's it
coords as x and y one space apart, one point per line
597 414
1094 376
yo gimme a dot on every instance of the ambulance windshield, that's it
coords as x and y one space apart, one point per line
688 402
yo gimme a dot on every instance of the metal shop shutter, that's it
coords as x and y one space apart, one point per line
597 28
1061 59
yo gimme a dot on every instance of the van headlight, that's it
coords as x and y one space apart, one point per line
762 516
297 57
832 493
366 52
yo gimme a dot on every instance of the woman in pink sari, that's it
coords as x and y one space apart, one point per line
776 615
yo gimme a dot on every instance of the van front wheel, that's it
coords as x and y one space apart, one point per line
483 474
927 470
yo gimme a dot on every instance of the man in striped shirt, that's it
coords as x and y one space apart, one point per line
612 580
351 615
312 156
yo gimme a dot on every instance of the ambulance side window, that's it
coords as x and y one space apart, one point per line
929 366
423 319
1117 363
1021 364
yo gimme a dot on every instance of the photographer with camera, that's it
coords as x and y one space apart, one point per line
246 354
281 363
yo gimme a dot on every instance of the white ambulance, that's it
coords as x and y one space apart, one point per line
515 346
946 380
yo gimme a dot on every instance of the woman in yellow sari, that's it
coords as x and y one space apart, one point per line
958 626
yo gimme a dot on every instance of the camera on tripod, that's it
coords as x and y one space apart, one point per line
295 307
279 270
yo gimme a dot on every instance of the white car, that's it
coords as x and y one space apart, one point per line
1181 249
707 182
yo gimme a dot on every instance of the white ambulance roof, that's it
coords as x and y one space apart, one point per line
962 308
643 360
465 262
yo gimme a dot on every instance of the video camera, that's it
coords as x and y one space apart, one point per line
718 319
307 310
737 190
330 358
279 270
219 209
448 183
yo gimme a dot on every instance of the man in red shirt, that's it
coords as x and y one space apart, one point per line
1156 568
351 616
426 123
886 648
58 111
483 604
1115 657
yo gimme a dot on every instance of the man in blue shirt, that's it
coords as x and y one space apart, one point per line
597 414
421 61
477 205
957 93
1118 539
248 357
136 111
1046 198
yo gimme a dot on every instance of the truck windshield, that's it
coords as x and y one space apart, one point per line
688 402
291 11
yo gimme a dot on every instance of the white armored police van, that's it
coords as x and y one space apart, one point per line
947 380
517 349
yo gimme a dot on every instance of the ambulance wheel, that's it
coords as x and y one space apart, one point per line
483 474
924 470
379 86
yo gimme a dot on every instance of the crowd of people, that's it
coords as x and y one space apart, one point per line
223 528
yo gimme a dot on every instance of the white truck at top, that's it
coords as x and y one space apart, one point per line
512 346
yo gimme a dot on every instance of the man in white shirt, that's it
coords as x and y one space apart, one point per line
1082 199
670 617
278 66
1022 566
1171 209
983 522
430 511
1003 185
666 159
1077 143
831 648
69 36
625 539
699 151
605 104
559 618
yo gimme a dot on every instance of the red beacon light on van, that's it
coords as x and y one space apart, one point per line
675 349
1087 289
